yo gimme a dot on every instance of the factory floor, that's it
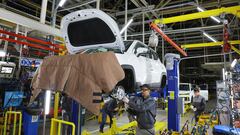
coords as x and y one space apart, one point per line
93 125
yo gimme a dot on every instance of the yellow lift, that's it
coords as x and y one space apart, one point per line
210 44
235 10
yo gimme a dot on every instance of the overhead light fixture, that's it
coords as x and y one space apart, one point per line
2 53
126 26
214 18
234 63
210 37
223 74
61 3
47 102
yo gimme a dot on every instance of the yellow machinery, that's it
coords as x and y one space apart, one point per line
8 122
209 119
128 128
60 123
235 10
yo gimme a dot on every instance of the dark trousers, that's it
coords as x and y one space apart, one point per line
104 118
66 129
197 114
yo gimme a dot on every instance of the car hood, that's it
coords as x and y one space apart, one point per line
90 28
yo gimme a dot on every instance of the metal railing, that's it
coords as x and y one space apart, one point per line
59 126
8 122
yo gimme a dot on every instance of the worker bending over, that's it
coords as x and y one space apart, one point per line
145 109
109 109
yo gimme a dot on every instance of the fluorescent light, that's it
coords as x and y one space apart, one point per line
210 37
126 26
200 9
223 74
234 63
61 3
2 53
47 102
214 18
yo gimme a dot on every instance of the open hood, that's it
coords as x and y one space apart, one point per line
90 28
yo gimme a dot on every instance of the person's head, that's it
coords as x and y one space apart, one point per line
145 90
197 91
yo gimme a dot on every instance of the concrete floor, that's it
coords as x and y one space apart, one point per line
93 125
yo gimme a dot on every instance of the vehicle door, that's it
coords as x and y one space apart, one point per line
143 57
155 68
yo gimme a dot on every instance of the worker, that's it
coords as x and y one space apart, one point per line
66 103
109 109
198 104
145 111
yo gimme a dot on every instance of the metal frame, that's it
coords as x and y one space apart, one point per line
8 113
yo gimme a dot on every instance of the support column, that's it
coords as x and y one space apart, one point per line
143 28
75 116
126 17
98 4
43 11
172 65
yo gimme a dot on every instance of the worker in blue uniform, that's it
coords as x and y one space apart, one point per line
109 109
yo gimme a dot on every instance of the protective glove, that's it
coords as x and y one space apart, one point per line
194 109
125 99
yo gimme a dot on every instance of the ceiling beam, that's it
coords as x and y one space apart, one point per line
77 5
27 22
136 10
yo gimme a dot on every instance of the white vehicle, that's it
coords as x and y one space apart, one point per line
92 30
186 90
204 91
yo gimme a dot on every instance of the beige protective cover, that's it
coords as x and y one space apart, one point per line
79 76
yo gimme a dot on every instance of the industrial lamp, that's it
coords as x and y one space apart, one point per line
209 37
61 3
2 53
126 26
200 9
233 64
47 102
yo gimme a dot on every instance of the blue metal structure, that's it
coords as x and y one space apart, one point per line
172 66
75 112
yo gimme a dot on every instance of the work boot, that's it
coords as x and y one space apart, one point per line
101 130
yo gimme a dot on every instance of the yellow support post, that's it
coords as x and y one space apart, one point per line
235 49
8 114
55 114
59 128
210 44
235 10
14 123
53 120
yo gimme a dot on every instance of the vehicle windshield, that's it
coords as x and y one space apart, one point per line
127 44
102 49
184 87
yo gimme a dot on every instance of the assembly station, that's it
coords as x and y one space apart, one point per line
119 67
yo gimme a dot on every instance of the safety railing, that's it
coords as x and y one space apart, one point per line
8 122
59 126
